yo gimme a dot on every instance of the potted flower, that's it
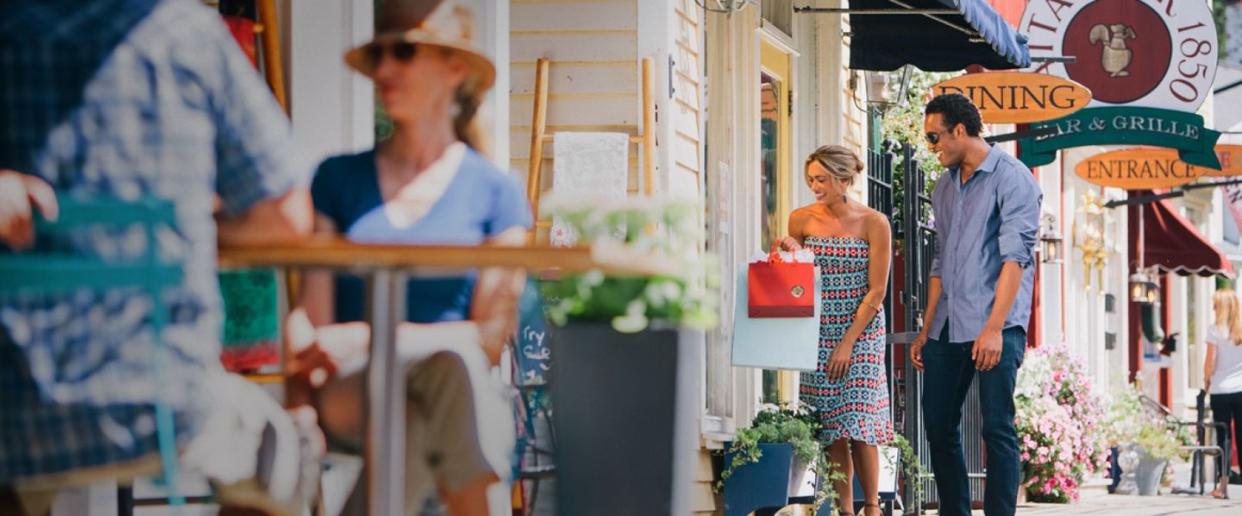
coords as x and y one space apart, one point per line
1059 422
767 463
625 354
1124 416
1157 444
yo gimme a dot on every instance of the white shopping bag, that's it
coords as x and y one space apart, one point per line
775 343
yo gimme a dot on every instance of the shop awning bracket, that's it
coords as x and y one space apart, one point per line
1145 199
1018 135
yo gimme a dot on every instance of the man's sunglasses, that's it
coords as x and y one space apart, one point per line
402 51
934 138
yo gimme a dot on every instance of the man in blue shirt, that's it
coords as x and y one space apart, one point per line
133 98
986 209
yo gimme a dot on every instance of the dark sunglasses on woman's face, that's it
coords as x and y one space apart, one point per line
402 51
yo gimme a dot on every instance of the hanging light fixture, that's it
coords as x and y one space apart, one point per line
1143 288
1050 239
879 94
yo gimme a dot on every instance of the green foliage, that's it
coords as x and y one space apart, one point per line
799 428
1159 441
781 425
1218 15
1129 419
903 124
666 230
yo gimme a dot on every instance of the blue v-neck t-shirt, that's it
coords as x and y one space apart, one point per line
480 202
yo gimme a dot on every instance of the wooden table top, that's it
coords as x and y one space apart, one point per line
337 253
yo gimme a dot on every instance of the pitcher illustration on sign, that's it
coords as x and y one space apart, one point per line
1116 56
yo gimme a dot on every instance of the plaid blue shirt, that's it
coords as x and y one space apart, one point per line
125 98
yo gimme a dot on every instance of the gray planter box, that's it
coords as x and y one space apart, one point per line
625 412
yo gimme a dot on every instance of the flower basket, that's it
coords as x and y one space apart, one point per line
1059 414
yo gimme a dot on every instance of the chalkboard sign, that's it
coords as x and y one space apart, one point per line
533 355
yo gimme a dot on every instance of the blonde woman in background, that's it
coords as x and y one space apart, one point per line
1222 370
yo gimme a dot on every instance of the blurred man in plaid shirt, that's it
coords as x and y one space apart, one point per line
131 98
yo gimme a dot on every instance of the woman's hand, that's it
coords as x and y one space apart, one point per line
318 352
790 244
839 361
20 195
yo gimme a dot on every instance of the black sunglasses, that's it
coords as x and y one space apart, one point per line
934 138
402 51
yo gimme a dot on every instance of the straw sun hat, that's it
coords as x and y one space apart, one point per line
442 23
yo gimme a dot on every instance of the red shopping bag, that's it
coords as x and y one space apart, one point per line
777 288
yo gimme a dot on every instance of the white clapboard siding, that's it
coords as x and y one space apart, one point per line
593 80
609 15
575 46
577 78
687 140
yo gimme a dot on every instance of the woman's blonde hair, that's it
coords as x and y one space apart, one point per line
1228 313
466 121
838 160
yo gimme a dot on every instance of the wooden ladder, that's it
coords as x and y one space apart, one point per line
645 137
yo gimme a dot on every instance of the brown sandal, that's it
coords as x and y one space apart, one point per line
870 505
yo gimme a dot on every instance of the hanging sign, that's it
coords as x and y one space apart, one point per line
1230 157
1183 132
1138 169
1150 53
1233 200
1018 97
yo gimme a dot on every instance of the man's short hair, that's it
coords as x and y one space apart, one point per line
956 109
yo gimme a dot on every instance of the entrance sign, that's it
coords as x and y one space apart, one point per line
1138 169
1125 126
1018 97
1230 157
1150 53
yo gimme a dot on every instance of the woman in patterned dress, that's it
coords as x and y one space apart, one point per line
851 243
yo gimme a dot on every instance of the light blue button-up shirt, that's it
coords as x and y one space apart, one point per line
990 220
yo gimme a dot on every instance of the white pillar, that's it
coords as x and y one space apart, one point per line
333 108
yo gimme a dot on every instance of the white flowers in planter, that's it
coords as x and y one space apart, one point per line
653 229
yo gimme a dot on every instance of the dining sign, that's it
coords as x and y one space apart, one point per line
1139 169
1018 97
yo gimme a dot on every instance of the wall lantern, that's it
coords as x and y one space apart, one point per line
1050 239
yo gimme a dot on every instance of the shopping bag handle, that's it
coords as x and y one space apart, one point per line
775 255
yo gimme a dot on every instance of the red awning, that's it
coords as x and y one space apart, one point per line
1171 243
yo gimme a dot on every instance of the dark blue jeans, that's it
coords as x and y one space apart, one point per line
947 374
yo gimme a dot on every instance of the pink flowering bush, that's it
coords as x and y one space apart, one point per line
1059 422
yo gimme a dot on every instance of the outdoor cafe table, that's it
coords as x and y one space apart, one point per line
387 269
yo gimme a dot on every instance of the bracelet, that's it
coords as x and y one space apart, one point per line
873 307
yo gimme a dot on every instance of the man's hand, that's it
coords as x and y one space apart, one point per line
987 349
19 194
916 350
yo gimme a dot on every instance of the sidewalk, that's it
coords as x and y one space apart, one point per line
1094 499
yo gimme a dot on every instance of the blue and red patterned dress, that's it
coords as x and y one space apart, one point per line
855 407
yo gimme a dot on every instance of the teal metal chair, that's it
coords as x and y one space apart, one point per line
51 273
